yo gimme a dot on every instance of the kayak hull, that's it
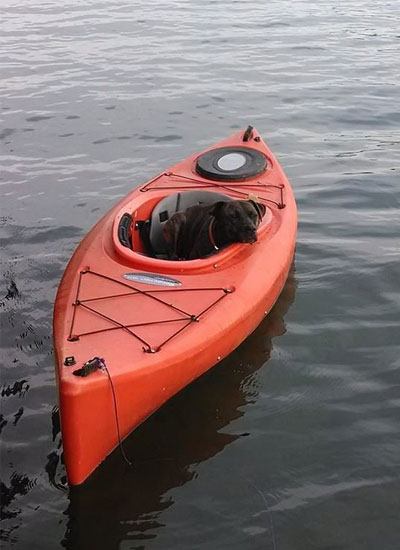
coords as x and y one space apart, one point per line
156 339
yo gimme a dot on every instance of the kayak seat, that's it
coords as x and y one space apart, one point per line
151 231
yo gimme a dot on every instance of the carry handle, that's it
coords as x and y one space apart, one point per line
248 133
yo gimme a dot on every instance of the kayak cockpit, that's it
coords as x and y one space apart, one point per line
138 227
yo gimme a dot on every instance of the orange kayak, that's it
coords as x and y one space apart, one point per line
131 328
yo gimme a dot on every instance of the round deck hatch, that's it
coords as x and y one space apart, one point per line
231 164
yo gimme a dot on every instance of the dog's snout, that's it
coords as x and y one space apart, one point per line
250 228
251 234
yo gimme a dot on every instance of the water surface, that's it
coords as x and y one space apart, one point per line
293 442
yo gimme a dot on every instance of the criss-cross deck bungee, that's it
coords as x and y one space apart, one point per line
185 319
132 328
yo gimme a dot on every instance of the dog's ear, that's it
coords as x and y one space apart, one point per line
259 208
217 208
171 232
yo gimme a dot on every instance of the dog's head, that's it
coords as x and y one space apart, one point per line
239 218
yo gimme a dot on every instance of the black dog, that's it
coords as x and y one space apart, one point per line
201 230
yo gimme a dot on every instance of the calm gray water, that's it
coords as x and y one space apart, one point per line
293 442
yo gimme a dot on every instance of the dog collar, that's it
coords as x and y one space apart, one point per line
210 234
